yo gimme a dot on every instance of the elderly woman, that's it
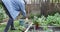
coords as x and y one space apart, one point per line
13 8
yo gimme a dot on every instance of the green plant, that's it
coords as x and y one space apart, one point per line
35 20
49 21
53 20
2 27
31 16
1 15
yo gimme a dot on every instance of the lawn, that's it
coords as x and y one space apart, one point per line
16 24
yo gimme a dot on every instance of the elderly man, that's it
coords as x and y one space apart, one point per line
13 8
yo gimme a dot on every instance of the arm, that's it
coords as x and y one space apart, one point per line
22 7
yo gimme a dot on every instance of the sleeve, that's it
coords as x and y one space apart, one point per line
22 7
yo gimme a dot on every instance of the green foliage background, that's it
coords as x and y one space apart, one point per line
2 13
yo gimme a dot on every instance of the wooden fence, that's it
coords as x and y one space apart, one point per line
43 7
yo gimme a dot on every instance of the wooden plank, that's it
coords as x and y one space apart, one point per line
28 27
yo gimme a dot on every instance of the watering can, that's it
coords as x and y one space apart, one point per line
21 22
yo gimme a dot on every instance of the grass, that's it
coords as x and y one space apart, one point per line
16 24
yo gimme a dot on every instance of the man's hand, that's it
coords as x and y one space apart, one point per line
26 19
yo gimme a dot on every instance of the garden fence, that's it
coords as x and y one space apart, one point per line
44 7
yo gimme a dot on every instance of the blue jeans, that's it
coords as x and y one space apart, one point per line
10 23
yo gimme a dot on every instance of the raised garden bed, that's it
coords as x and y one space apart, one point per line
41 28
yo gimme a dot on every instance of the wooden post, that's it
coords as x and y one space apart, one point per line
45 7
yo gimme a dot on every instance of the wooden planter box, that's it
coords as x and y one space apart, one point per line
53 28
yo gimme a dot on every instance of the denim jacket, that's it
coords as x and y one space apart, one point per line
15 7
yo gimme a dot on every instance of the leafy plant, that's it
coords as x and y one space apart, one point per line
53 20
35 20
49 21
1 13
